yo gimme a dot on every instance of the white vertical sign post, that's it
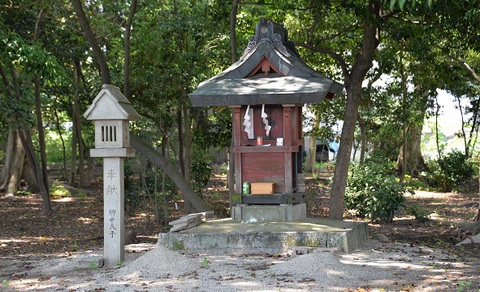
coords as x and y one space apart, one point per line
111 113
113 210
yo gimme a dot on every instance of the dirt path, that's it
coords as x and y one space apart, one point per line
48 254
391 266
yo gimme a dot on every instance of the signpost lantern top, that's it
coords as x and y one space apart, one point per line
111 111
110 104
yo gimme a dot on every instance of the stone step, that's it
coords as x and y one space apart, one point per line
233 237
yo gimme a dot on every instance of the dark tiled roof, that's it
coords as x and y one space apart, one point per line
291 82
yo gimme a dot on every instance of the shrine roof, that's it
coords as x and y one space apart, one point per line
269 72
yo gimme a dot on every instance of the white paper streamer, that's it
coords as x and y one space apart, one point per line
248 122
265 121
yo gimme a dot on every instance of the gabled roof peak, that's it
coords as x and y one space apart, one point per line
265 30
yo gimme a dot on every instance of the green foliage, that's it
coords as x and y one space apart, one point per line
456 167
201 172
215 130
5 283
59 191
204 264
23 193
54 146
422 215
464 286
450 172
374 192
93 265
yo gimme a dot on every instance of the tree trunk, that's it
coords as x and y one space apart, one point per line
59 131
184 186
188 138
38 112
9 155
101 61
437 132
233 50
73 162
353 85
41 135
233 34
14 161
187 163
181 156
77 126
413 162
126 63
339 184
27 143
312 153
363 141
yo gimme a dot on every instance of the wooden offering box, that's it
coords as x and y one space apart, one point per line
261 188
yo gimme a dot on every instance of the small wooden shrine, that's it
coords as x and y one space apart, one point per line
267 89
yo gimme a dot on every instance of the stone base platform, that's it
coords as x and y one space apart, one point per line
265 213
234 237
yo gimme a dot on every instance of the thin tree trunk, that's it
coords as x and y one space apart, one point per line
27 143
41 135
233 50
188 138
405 121
15 165
73 161
9 156
363 141
59 131
181 161
437 140
126 63
311 161
38 111
101 60
187 146
233 34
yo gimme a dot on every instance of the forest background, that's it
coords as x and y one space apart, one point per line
55 55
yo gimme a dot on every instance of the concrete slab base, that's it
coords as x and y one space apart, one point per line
264 213
233 237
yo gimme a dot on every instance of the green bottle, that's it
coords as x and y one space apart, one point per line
246 188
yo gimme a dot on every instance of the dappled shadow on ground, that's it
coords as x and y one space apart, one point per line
76 225
27 237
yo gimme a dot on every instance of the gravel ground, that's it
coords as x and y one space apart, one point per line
378 267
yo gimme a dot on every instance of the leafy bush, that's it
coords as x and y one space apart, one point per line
450 172
374 192
422 215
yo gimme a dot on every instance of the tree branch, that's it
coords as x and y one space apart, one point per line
332 54
467 67
102 62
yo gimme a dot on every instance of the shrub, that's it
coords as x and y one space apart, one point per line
374 192
450 172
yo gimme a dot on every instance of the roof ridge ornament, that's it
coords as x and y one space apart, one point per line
264 31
